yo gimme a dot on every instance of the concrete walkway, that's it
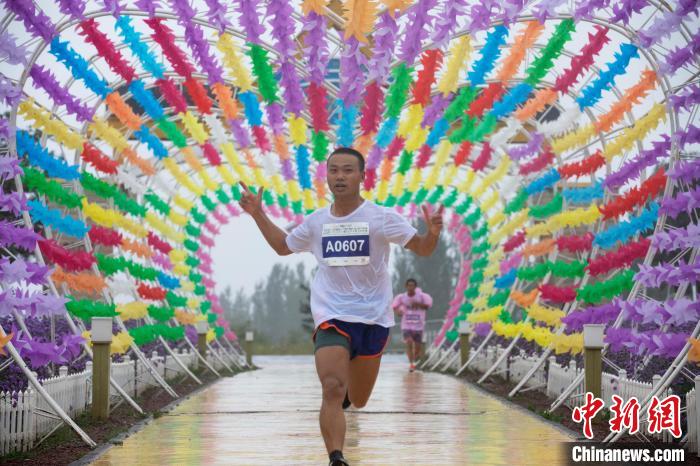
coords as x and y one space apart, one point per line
270 416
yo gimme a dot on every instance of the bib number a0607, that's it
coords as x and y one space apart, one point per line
344 244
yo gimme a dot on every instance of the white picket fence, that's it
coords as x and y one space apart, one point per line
554 379
26 418
692 420
559 378
520 366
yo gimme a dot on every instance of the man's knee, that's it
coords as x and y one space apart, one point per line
333 388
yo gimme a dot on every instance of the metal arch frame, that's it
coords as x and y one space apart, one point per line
66 25
40 258
39 255
71 80
488 337
661 78
484 343
87 244
204 23
569 307
664 89
612 28
132 13
118 83
434 349
338 20
120 46
601 137
661 223
28 222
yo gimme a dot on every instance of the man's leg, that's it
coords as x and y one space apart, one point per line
409 349
332 366
363 374
419 351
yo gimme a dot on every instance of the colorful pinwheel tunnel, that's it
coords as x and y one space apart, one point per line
560 137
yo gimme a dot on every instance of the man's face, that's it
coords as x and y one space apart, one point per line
344 175
411 288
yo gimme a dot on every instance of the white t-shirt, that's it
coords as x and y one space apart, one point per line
352 283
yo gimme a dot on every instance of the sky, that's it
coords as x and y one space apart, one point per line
242 257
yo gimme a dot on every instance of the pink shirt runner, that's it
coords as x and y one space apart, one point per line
413 317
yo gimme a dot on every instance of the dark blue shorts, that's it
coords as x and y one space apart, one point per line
414 335
361 340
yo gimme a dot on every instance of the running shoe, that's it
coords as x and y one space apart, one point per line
337 459
412 368
339 462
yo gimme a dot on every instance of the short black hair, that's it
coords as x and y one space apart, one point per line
349 151
412 280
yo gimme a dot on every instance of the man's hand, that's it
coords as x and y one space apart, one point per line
424 245
274 235
250 202
433 221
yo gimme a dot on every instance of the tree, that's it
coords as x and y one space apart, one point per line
307 320
236 309
271 310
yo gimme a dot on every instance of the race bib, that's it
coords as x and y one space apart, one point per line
345 243
414 317
414 320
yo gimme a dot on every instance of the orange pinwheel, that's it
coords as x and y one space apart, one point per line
313 5
360 16
524 299
694 353
3 342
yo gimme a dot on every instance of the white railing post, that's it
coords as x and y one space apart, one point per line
621 383
696 414
88 381
550 378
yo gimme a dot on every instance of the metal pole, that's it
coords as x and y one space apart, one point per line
178 361
218 356
229 356
14 354
237 353
202 359
476 353
500 359
445 354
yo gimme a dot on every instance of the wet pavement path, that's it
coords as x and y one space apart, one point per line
270 416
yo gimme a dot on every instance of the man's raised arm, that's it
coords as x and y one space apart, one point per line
274 235
424 245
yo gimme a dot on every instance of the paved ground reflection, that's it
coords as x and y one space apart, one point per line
270 417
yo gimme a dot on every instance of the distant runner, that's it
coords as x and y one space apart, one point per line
412 306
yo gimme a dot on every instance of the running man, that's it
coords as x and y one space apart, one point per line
412 306
351 291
